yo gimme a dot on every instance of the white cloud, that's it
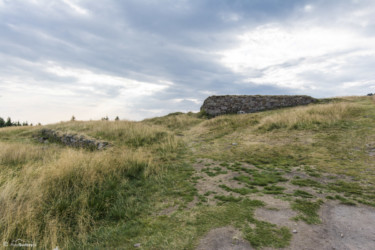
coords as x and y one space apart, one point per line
356 84
85 96
308 8
179 100
88 79
283 55
74 6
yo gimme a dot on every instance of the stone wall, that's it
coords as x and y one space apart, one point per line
233 104
71 140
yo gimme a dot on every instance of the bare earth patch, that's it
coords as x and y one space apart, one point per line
343 227
224 238
350 227
211 184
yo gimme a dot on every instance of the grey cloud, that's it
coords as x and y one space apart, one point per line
151 40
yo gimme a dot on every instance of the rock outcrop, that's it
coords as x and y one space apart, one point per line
71 140
239 104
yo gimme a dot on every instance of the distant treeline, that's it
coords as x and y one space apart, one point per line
10 123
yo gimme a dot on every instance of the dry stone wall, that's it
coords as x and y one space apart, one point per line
232 104
71 140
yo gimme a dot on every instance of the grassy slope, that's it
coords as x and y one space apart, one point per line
73 198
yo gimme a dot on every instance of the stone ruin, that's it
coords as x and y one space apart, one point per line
71 140
241 104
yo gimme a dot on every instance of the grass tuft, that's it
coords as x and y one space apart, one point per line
268 235
311 117
308 209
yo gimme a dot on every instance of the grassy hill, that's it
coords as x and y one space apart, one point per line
167 181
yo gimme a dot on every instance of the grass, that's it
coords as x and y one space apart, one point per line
213 171
242 191
308 210
262 178
346 188
306 183
303 194
273 190
76 199
177 122
345 201
229 198
310 117
65 193
266 234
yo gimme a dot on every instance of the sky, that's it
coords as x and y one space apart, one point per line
144 58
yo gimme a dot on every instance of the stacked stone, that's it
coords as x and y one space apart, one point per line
232 104
71 140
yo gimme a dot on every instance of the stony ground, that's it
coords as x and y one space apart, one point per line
339 226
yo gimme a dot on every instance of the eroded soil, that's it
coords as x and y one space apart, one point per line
342 226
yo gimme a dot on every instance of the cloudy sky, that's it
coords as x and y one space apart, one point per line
146 58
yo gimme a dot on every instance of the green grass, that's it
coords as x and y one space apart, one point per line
308 210
229 198
303 194
266 234
346 188
214 171
262 178
306 183
242 191
273 189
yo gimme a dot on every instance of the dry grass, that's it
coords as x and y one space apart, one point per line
54 195
133 134
175 121
313 116
51 199
13 154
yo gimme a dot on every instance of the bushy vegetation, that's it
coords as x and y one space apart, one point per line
10 123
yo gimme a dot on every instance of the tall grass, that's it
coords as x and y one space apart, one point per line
14 154
63 198
310 117
176 121
55 196
226 124
134 134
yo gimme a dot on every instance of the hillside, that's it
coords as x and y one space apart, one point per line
183 181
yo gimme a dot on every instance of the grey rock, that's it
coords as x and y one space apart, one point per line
77 141
240 104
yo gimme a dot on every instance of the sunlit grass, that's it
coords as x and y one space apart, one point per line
310 117
55 195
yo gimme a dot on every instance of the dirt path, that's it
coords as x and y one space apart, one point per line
343 228
224 238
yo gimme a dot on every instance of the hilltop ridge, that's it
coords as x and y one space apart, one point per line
183 181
